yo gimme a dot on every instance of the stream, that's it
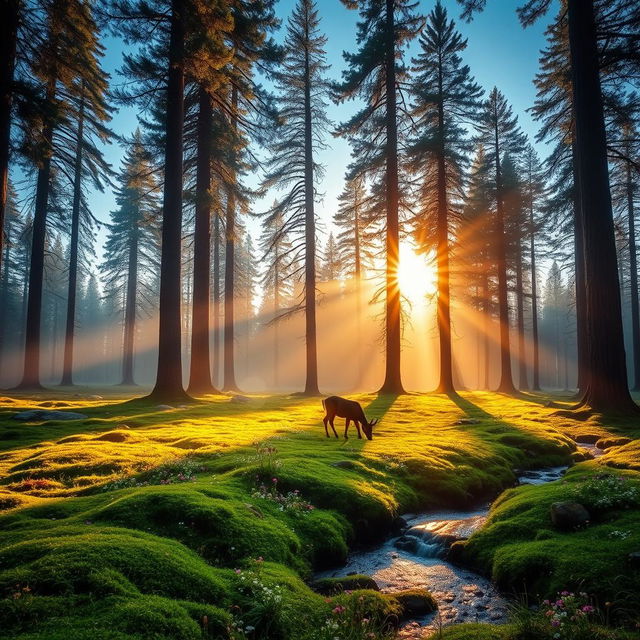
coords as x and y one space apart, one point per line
416 559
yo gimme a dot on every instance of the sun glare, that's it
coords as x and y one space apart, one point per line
416 275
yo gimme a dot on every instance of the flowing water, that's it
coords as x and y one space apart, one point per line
416 559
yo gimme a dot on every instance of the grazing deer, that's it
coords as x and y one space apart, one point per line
349 409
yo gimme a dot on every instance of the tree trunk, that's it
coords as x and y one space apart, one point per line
216 300
393 379
130 309
523 383
200 372
169 385
486 310
9 17
506 379
444 301
633 267
67 365
31 374
4 298
582 342
534 303
607 388
311 383
229 273
358 287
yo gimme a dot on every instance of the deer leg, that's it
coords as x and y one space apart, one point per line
334 429
358 428
325 420
346 427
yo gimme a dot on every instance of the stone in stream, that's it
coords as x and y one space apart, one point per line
39 415
569 515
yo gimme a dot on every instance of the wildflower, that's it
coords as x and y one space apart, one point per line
338 609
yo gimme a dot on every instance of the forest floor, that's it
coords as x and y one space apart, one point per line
207 520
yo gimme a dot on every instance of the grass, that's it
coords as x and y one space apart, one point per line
207 520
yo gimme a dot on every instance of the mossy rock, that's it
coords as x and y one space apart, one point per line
612 441
415 602
331 586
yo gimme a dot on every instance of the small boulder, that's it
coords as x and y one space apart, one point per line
238 399
415 602
406 543
588 438
331 586
344 464
569 515
164 407
41 415
95 397
612 441
114 436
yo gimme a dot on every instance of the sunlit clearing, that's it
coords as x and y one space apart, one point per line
416 274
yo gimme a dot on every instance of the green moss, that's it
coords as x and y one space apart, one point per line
136 532
331 586
415 602
477 632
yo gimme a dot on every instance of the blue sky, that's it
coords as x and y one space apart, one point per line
499 53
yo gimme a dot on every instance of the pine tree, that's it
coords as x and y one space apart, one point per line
276 281
607 388
445 99
303 90
59 64
331 268
498 131
475 253
90 112
374 75
131 248
192 38
516 224
533 193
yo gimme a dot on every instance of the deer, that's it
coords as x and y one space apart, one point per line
349 409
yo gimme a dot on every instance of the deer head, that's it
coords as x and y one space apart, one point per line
367 427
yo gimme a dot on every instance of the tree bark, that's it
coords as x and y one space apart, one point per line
534 302
67 364
445 384
607 389
216 300
311 384
9 17
506 378
130 309
200 371
229 276
31 373
633 267
169 385
393 380
523 383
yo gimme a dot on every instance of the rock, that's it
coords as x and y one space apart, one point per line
164 407
394 556
588 438
634 559
39 415
114 436
399 525
238 399
569 515
479 593
407 543
415 602
344 464
95 397
468 421
612 441
330 586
